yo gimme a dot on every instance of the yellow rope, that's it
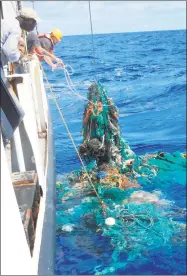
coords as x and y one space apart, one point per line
69 133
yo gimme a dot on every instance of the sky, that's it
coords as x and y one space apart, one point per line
72 17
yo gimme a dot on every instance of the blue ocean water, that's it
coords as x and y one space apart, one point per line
145 74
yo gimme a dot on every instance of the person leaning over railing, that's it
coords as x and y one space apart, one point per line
11 35
34 48
49 40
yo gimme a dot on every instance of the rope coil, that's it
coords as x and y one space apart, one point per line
72 87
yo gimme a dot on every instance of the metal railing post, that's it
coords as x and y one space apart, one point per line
19 150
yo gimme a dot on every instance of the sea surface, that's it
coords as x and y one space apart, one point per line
145 74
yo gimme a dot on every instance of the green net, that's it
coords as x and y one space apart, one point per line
144 219
104 146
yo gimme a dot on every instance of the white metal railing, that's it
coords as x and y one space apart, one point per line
30 92
30 123
16 258
37 95
19 150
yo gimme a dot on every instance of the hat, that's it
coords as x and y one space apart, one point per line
57 33
29 13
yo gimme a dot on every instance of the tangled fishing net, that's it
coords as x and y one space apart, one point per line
144 220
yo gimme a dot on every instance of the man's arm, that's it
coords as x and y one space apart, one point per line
58 60
39 51
49 61
46 46
48 57
10 47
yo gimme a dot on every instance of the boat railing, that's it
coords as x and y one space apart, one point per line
28 168
29 89
25 153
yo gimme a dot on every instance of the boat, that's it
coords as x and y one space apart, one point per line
28 178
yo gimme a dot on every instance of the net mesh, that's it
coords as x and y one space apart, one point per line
127 183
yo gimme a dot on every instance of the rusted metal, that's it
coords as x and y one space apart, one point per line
28 193
22 178
42 134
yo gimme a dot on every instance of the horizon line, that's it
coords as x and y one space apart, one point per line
128 32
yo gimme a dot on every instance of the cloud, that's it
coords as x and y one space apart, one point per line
110 16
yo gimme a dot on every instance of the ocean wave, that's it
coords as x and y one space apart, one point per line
86 57
177 88
158 50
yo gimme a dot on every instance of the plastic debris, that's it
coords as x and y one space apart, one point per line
141 218
110 221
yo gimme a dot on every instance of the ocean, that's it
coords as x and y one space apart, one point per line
145 74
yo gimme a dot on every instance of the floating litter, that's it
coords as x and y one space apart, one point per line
110 221
67 227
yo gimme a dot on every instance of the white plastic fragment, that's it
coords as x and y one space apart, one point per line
110 221
67 227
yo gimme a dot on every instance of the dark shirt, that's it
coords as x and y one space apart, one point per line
46 43
32 41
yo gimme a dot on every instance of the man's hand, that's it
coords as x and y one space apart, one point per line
53 67
59 61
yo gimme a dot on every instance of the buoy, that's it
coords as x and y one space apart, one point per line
110 221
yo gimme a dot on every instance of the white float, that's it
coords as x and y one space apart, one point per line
110 221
